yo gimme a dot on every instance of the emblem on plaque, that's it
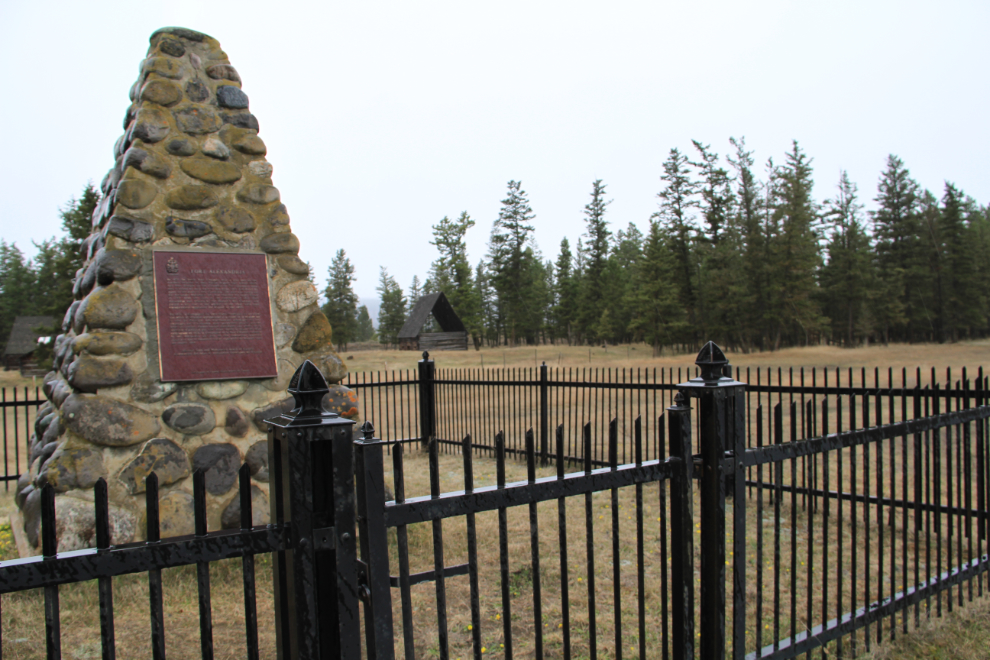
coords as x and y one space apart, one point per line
172 266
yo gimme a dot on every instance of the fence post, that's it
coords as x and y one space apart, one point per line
681 527
544 418
316 581
376 591
717 397
427 400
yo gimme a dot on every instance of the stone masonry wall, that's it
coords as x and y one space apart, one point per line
189 170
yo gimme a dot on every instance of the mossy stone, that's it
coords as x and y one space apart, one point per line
136 194
211 170
111 308
235 219
314 334
106 343
108 422
162 92
280 243
191 197
90 374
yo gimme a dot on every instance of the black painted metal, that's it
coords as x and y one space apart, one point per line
374 588
202 567
427 399
716 394
682 528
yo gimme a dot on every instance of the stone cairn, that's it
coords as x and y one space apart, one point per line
190 170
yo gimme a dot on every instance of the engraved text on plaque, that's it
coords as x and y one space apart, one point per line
214 316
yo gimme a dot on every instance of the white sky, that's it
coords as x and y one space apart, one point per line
382 117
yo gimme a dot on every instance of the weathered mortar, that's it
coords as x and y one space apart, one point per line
189 170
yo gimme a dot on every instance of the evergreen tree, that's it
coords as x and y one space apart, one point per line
365 328
341 305
60 258
961 306
795 254
847 277
620 278
754 244
566 295
452 274
659 319
17 284
392 312
415 290
593 285
900 289
511 263
717 305
490 318
677 200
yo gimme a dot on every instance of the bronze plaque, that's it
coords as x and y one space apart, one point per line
214 315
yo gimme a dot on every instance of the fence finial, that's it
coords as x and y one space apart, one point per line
368 430
711 360
308 387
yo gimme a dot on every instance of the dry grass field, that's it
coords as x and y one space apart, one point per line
957 635
963 354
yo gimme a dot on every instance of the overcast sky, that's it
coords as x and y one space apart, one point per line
382 117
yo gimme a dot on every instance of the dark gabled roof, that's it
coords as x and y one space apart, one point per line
23 339
435 303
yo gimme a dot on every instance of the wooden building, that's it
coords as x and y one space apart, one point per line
453 335
22 345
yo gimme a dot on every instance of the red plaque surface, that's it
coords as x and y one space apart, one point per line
214 316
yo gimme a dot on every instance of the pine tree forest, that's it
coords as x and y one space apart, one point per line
737 253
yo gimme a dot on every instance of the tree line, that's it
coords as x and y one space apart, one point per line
742 255
42 285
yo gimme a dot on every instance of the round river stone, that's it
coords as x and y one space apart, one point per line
293 264
136 194
186 228
111 308
221 389
236 423
162 92
129 229
108 422
161 456
223 72
258 193
190 418
152 125
249 144
220 463
106 343
180 147
88 374
117 266
296 295
235 219
191 197
280 243
210 170
314 334
257 460
197 120
232 97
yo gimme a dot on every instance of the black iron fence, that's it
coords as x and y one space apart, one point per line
18 409
778 533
